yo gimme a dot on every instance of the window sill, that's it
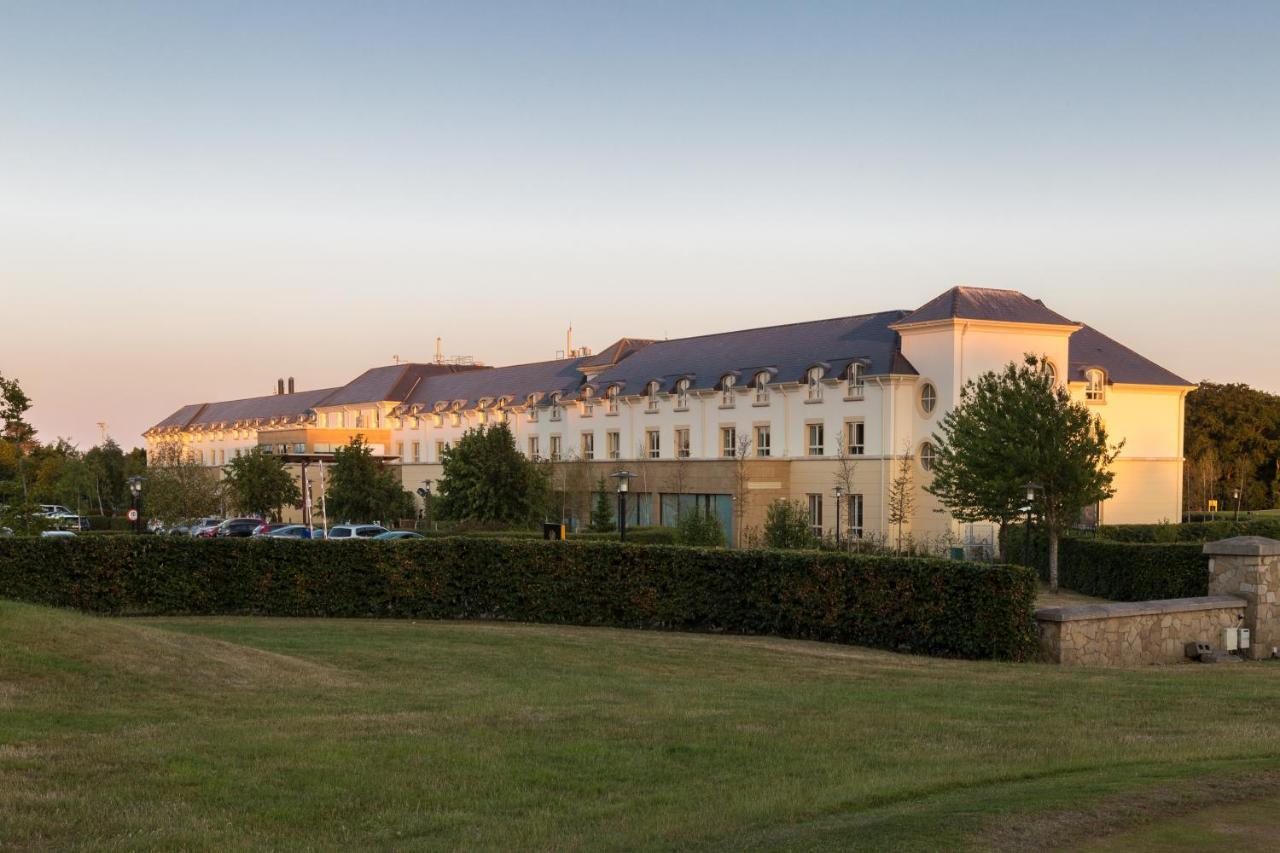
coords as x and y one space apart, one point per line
857 399
760 405
730 406
680 409
811 402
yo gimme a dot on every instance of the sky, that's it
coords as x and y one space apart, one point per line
197 198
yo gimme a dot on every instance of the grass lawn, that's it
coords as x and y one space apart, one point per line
225 733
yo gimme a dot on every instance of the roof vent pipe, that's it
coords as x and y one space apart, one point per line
290 384
279 386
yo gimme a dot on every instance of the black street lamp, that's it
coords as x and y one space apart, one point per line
839 500
425 493
623 478
135 489
1031 488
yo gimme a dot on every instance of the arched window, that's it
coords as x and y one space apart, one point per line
682 394
727 395
555 407
611 400
762 387
1050 369
857 381
588 405
927 456
1096 390
651 392
928 398
814 379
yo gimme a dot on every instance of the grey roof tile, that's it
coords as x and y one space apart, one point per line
985 303
1090 348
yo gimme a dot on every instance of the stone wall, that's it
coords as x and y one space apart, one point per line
1249 566
1135 632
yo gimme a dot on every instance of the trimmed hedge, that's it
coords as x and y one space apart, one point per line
1119 571
912 604
1190 531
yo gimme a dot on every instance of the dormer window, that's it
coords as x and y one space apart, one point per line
814 382
651 394
857 381
611 400
727 395
555 407
531 409
762 387
1096 389
587 404
682 394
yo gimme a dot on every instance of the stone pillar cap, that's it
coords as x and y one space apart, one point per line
1243 546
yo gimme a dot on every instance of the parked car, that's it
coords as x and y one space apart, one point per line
293 531
268 529
54 509
180 529
68 521
356 531
240 527
205 528
57 534
396 535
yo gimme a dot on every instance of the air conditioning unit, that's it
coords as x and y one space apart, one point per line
1230 639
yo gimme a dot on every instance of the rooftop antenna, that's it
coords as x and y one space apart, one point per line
396 359
439 351
568 341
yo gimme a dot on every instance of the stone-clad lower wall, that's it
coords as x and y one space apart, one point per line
1131 633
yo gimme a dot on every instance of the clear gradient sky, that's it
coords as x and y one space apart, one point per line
196 198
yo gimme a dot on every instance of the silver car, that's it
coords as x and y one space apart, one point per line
356 531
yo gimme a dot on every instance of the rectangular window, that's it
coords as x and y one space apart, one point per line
728 441
682 443
417 451
614 440
815 384
651 402
300 447
555 448
440 446
555 412
222 457
534 452
816 439
653 443
588 445
532 414
763 441
400 449
815 514
855 517
855 438
762 391
611 401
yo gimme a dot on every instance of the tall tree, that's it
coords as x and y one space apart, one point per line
602 512
260 484
487 479
16 432
360 489
178 487
1233 433
1020 426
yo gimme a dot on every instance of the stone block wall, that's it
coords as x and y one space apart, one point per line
1135 632
1249 567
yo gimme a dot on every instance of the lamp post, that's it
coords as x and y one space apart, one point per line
135 489
1026 533
425 494
623 478
839 500
1235 496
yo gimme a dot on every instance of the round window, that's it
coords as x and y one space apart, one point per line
928 398
927 456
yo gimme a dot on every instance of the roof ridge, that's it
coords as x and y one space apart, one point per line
782 326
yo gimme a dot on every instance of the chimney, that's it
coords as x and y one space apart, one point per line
290 384
568 342
439 352
279 386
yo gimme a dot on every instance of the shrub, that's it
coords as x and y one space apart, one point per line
1120 571
1193 531
919 605
699 528
786 525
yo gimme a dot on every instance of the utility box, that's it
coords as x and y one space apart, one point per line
1230 639
1245 638
551 530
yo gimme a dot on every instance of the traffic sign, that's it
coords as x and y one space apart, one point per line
133 515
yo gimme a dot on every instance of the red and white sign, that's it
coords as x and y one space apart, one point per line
133 515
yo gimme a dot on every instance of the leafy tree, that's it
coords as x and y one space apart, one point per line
901 500
1017 427
178 487
487 479
14 404
259 484
1232 441
699 527
786 525
360 489
602 512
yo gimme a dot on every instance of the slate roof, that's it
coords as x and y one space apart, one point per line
1090 348
985 303
249 409
614 353
517 381
393 382
787 351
